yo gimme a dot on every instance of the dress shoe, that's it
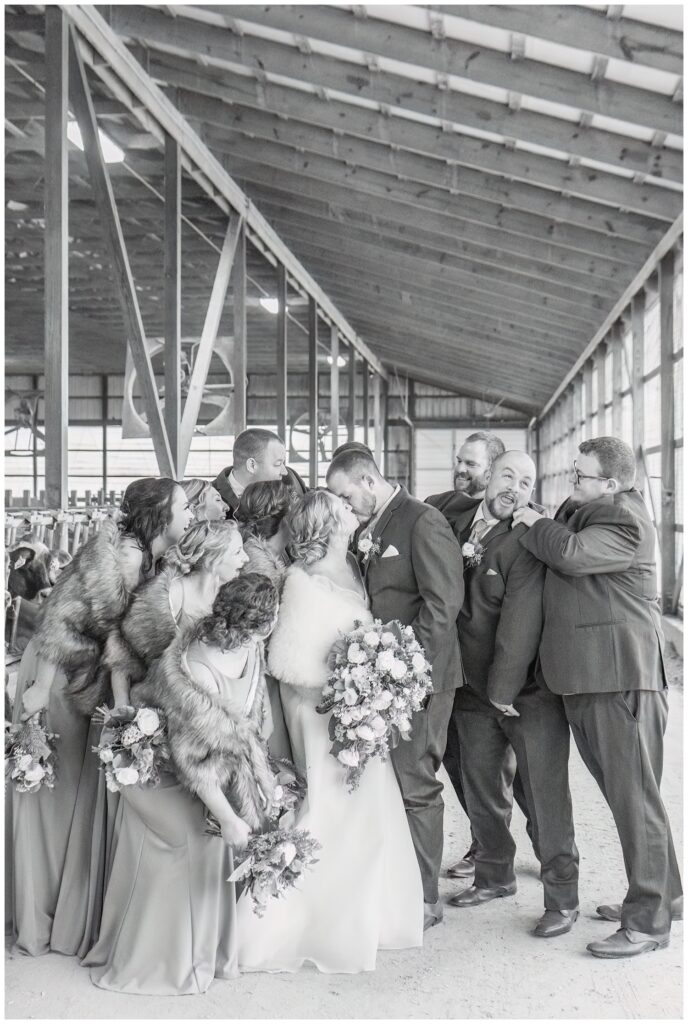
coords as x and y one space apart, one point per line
555 922
432 915
463 868
474 896
619 945
612 911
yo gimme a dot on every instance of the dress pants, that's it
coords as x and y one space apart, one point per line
620 737
540 739
416 764
511 780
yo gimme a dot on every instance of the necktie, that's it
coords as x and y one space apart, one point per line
479 530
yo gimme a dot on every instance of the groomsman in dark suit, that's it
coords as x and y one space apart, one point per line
258 455
602 649
413 573
501 706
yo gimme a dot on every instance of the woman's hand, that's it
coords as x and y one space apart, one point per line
34 699
235 832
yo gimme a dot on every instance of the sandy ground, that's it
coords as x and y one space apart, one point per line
480 963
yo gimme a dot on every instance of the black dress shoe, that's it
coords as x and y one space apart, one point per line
555 922
464 867
612 911
618 945
474 896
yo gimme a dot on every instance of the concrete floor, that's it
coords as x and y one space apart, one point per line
481 963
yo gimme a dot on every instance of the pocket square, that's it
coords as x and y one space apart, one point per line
491 572
389 552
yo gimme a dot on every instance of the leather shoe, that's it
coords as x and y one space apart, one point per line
474 896
612 911
463 868
555 922
432 915
619 945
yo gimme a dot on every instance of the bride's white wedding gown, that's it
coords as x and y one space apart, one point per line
365 892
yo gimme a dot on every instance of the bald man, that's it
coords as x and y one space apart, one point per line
499 626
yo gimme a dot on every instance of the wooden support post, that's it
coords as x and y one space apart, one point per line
211 326
172 300
587 376
366 403
668 526
82 104
600 361
637 383
239 367
577 416
281 352
377 418
351 409
617 380
56 258
411 437
313 451
334 387
105 403
385 419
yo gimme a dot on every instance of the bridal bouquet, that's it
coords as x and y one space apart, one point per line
30 756
379 677
133 746
274 863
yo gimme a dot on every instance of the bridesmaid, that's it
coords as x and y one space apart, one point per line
205 500
60 671
168 925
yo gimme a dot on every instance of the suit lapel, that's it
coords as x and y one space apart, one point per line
463 524
502 527
382 524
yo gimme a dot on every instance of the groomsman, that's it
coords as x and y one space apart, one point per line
413 573
501 706
259 455
602 650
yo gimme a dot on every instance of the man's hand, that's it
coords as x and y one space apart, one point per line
525 515
506 709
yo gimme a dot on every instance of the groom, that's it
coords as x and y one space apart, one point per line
413 572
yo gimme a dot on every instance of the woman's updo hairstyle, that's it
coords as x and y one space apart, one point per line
262 508
244 607
203 545
314 520
146 510
196 491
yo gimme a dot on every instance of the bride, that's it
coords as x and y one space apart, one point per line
365 892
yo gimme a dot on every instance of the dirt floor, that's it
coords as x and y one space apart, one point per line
480 963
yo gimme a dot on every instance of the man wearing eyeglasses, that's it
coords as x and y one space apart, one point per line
601 649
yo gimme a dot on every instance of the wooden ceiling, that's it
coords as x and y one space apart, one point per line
474 187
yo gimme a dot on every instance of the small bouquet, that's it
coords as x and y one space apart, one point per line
379 678
30 754
290 787
472 552
274 863
133 746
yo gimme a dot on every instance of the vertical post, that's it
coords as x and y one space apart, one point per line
172 299
412 435
600 360
56 259
385 415
666 326
366 403
377 419
312 392
334 387
577 416
104 396
587 376
617 380
351 411
637 382
239 297
281 353
34 452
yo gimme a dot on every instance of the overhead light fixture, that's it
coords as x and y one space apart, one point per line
270 305
341 361
112 154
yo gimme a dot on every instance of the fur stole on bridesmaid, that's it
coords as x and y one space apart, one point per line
262 559
86 605
211 742
313 614
147 628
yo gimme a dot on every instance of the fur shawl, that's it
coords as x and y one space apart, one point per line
85 606
211 743
148 627
262 559
313 613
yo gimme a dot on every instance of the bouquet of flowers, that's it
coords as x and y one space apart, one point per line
379 677
274 863
290 787
133 746
472 552
30 754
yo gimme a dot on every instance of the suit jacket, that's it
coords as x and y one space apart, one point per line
602 629
422 585
222 484
453 505
500 622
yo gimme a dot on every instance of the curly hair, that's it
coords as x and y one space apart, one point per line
312 522
146 510
202 546
262 508
196 491
243 608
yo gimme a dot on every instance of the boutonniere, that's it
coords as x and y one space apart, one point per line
367 548
472 553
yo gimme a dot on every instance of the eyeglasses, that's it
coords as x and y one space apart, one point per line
578 476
